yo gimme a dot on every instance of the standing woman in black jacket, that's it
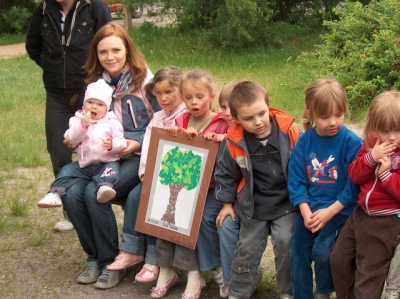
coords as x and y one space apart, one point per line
58 40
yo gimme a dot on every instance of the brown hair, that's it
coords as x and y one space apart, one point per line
134 58
226 91
246 93
171 74
383 114
321 98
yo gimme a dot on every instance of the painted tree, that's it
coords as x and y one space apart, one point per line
179 170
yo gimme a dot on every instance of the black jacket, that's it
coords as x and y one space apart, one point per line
61 58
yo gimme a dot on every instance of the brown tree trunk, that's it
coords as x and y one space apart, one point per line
169 215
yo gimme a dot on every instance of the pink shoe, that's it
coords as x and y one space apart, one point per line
149 273
196 295
51 200
124 260
160 292
105 194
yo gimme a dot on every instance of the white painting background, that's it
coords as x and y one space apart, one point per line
159 194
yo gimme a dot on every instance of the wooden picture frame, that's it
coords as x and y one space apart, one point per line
175 186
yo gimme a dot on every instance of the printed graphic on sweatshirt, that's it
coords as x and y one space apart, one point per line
395 161
323 172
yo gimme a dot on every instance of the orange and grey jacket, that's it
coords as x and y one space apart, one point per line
233 170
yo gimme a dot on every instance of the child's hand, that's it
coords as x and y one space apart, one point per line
381 150
107 144
218 138
86 119
226 210
209 136
190 132
173 130
386 163
319 219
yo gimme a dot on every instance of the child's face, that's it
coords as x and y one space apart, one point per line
97 108
255 118
393 137
168 96
226 112
329 125
197 98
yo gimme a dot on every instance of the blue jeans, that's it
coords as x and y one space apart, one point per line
207 245
228 238
253 238
307 247
132 241
58 113
71 173
95 222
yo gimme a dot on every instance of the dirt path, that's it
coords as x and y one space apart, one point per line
12 50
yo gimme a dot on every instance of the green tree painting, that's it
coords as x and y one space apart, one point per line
180 169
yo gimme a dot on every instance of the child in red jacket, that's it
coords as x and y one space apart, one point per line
362 254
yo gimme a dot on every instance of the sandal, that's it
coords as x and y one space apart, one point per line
161 291
51 200
149 273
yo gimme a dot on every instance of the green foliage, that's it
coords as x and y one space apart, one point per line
14 20
243 24
180 168
361 49
240 24
6 4
37 238
18 206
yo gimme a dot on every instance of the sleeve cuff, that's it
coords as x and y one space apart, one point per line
384 176
370 160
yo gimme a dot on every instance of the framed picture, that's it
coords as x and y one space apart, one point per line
177 177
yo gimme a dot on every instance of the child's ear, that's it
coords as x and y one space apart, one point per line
212 96
235 119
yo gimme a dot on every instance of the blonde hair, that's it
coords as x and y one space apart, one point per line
383 114
322 97
134 58
226 91
246 93
171 74
202 76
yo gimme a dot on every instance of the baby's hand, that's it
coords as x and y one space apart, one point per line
381 150
86 119
107 144
173 130
386 163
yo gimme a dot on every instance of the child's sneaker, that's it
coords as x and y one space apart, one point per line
63 225
51 200
105 194
219 279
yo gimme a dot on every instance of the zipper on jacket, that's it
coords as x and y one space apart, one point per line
370 191
64 49
130 111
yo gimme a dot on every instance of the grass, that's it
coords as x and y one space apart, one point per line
25 172
9 39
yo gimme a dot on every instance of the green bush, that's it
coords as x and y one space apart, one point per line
14 20
361 49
